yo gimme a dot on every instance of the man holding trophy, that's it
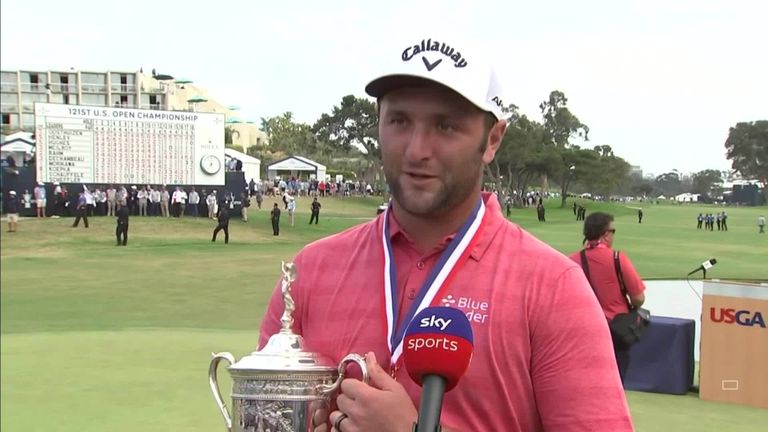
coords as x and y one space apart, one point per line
543 358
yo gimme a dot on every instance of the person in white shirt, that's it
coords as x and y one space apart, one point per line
40 201
143 195
111 200
164 197
101 199
291 208
90 201
154 202
194 200
26 199
175 197
212 202
182 202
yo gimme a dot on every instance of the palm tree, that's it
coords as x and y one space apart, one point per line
264 125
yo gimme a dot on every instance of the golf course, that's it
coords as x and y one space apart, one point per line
97 337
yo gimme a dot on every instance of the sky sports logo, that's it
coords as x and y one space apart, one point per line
439 329
438 341
434 321
432 341
732 316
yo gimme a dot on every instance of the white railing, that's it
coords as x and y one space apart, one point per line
33 87
63 88
93 88
9 107
123 88
9 87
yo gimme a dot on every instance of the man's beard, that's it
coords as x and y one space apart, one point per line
455 186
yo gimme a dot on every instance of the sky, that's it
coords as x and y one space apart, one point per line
660 81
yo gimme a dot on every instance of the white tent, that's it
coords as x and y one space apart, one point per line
295 164
687 197
20 146
251 165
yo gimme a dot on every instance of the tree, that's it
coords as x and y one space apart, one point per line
708 182
642 187
229 133
747 149
352 123
575 164
669 183
608 173
522 156
561 125
559 122
288 136
264 125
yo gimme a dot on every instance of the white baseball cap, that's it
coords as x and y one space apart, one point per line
459 65
12 192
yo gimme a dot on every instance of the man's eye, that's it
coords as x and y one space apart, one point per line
445 125
397 121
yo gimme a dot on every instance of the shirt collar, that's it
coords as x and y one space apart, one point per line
596 244
493 221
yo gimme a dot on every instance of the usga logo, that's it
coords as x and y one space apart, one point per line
475 310
742 317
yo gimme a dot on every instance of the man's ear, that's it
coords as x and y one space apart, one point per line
495 135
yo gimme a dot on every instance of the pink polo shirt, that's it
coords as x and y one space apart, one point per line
602 271
543 357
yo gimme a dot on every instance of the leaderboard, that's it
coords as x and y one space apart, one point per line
101 145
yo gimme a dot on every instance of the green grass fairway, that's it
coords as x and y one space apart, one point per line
667 244
103 338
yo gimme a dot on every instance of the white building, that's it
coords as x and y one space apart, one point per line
687 197
19 90
296 166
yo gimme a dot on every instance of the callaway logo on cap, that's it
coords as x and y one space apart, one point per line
452 63
430 45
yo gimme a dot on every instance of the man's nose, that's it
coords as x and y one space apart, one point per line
420 143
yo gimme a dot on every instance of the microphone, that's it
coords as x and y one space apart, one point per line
437 350
706 265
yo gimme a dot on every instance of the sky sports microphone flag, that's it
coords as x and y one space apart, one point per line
437 351
438 341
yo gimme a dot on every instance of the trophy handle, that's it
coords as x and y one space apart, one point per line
214 381
350 358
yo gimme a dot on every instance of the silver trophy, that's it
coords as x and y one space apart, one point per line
279 388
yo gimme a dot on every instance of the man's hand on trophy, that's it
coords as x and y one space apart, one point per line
382 406
320 416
